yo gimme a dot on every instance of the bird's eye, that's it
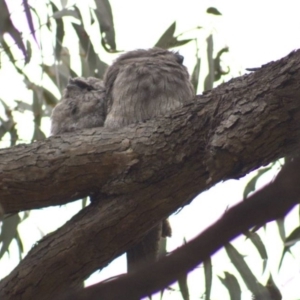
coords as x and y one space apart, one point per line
74 110
83 85
179 58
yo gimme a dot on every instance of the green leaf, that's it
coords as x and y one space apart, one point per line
257 242
7 26
285 250
218 71
96 66
11 58
213 11
38 134
232 285
273 289
3 129
37 105
208 277
196 74
162 247
178 43
209 80
162 294
26 215
49 98
183 286
84 202
106 23
257 289
182 282
29 49
37 15
37 108
250 187
22 106
293 238
167 38
8 232
281 229
13 136
8 125
85 69
67 13
29 18
60 33
59 74
20 245
162 251
290 241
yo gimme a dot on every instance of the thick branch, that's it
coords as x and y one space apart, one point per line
144 172
268 204
236 127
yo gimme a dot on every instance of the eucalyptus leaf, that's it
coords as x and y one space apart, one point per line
281 228
259 245
232 285
106 23
29 18
65 12
183 286
273 289
96 66
167 38
250 187
60 33
209 80
213 11
290 241
8 232
257 289
196 74
208 277
7 26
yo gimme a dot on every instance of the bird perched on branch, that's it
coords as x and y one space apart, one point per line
83 106
140 85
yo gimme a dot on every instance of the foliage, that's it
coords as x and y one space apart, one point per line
60 22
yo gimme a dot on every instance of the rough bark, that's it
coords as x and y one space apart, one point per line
143 173
268 204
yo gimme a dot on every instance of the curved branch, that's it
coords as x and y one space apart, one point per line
270 203
227 132
144 172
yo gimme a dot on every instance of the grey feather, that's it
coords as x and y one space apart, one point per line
140 85
83 106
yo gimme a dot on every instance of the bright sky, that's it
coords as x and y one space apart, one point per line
256 32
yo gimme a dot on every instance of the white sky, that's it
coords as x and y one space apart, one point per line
256 32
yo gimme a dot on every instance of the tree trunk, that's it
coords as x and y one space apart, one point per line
139 175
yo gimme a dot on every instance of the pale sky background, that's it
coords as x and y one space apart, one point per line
256 33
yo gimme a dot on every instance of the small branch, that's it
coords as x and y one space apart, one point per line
272 202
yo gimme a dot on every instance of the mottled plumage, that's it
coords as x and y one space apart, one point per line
143 84
83 106
138 86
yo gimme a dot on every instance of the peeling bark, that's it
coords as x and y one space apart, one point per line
142 173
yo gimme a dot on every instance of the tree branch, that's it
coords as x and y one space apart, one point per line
143 173
227 132
270 203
